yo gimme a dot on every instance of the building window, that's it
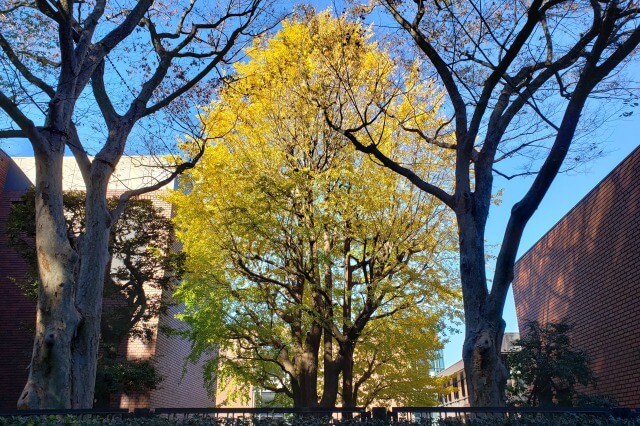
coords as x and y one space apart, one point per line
457 391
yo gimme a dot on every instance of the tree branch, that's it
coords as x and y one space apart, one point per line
22 69
10 134
126 196
392 165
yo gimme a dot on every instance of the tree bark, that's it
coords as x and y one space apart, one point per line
57 318
347 375
484 369
94 255
305 393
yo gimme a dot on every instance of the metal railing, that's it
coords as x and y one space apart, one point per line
333 416
436 415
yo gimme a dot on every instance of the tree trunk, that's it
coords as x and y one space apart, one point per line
57 319
483 366
63 368
305 394
347 375
484 369
94 257
306 357
332 368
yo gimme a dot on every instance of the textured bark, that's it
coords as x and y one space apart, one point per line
94 255
484 369
332 370
485 372
305 388
57 319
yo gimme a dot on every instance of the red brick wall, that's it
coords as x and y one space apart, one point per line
587 269
17 313
180 388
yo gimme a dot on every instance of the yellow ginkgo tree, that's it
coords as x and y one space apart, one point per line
300 255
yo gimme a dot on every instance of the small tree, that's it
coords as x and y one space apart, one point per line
545 369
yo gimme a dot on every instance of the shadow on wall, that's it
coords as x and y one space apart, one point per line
587 270
17 312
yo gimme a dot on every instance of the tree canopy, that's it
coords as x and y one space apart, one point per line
304 262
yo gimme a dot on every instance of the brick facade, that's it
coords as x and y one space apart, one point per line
587 269
17 314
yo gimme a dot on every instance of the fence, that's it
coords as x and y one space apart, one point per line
340 416
435 415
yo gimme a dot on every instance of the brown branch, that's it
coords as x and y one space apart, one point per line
394 166
100 93
219 58
442 68
15 114
123 30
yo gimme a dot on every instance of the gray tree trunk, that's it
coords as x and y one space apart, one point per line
94 255
57 318
485 372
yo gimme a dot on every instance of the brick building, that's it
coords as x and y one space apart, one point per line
587 269
17 313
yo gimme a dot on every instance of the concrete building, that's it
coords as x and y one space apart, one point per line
17 313
586 269
459 396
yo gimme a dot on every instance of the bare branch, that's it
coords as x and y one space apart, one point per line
126 27
24 71
9 134
100 93
392 165
440 65
15 114
181 168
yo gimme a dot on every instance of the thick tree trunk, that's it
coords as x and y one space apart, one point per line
305 394
306 358
347 375
485 372
57 319
63 368
332 368
484 369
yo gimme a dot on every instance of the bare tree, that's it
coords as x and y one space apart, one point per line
516 77
131 60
